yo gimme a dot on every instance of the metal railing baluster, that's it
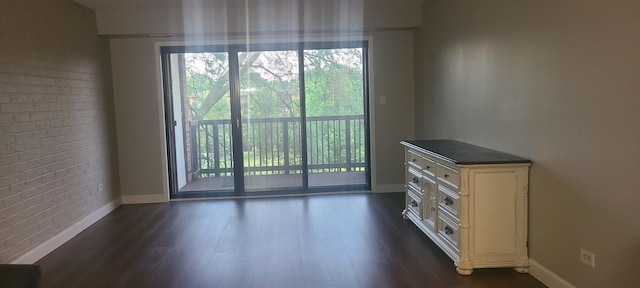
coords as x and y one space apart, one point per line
335 144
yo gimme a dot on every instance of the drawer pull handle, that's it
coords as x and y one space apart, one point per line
448 201
428 167
446 176
414 203
448 230
415 180
414 160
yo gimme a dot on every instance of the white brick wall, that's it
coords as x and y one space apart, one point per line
57 138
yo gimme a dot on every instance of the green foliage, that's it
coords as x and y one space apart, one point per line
334 82
269 83
269 88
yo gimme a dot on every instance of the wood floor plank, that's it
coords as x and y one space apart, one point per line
348 240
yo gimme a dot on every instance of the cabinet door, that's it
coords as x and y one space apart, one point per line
429 203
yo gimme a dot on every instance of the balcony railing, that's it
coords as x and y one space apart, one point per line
273 146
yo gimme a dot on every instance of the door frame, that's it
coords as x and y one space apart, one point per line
236 114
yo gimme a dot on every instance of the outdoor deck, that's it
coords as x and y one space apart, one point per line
272 153
270 182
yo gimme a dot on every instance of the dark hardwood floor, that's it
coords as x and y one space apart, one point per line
348 240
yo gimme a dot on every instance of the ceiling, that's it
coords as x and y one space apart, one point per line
161 4
147 17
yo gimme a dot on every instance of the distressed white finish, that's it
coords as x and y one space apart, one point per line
477 214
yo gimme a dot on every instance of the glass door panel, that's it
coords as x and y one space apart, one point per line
202 114
335 109
269 94
270 118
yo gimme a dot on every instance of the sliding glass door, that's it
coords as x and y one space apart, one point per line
199 123
271 120
250 119
336 123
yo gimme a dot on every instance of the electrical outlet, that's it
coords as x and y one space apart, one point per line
100 187
587 257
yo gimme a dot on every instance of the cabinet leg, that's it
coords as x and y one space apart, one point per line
522 269
465 272
404 214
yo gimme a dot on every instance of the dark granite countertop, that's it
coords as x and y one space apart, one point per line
462 153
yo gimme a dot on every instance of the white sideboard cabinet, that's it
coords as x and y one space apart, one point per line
471 201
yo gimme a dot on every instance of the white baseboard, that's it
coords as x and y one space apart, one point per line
387 188
56 241
144 199
546 276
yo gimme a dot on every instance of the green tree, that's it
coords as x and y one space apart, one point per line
269 80
269 88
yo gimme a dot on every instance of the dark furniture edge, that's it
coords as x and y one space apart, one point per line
507 158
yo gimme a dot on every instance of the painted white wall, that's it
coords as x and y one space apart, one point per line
392 106
136 70
557 82
140 116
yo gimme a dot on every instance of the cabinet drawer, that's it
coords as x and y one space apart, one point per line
449 201
448 230
414 159
448 176
414 203
414 179
429 167
471 201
